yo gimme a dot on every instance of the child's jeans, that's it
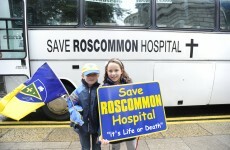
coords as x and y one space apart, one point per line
131 145
85 141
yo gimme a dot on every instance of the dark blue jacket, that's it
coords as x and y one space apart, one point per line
86 97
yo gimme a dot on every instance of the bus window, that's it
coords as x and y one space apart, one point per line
52 12
11 33
189 14
135 13
225 15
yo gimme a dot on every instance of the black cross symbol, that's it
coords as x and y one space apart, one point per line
191 45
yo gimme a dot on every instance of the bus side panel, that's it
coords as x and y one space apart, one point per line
13 67
139 71
187 82
221 94
62 69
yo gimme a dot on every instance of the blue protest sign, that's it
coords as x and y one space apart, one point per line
130 110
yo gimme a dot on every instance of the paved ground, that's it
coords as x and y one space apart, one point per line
186 136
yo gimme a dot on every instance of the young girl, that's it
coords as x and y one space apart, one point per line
115 74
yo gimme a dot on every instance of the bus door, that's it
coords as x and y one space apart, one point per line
14 63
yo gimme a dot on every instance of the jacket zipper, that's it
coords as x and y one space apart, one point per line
89 107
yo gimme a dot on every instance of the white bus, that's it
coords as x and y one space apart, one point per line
182 44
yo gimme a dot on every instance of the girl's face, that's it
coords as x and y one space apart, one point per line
114 72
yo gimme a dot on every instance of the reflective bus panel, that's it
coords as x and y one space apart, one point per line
117 13
53 12
192 14
225 15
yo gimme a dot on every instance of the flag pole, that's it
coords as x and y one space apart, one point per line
68 95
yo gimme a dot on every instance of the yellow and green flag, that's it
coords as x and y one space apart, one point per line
41 88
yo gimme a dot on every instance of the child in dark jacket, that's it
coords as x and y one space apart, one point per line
84 100
115 74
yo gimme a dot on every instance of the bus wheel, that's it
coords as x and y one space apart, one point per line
57 109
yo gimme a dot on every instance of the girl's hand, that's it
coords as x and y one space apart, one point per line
103 141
